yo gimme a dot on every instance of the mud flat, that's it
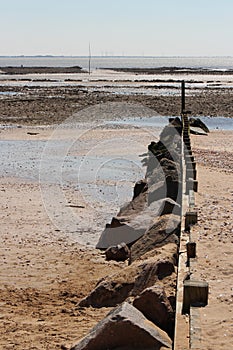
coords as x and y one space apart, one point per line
33 105
40 70
172 70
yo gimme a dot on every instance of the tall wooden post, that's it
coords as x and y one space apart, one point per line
182 96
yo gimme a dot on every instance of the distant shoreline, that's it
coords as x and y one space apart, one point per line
171 70
41 70
16 70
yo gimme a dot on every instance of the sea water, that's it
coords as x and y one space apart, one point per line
97 62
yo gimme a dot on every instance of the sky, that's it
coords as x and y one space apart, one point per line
121 27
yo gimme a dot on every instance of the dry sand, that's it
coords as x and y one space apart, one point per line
44 272
214 236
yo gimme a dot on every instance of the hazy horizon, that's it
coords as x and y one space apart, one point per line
124 56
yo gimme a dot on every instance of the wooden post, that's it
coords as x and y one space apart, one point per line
191 250
195 294
191 185
190 219
189 158
182 97
191 174
190 165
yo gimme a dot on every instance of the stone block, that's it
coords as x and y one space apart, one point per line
125 327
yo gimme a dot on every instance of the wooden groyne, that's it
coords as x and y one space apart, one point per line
191 292
155 299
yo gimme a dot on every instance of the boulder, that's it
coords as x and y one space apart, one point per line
170 168
114 236
120 252
114 223
169 147
157 191
197 131
155 306
135 218
135 206
166 251
176 122
166 229
170 133
165 181
174 189
140 186
134 224
169 206
130 281
159 151
125 328
197 123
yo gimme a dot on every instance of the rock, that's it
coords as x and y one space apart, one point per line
137 205
125 328
169 145
155 306
159 151
197 131
176 122
170 169
132 222
114 236
157 191
174 189
114 223
197 123
140 186
169 206
171 132
165 181
121 229
118 253
166 251
130 281
166 229
135 223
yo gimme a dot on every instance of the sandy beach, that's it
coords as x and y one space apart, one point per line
48 260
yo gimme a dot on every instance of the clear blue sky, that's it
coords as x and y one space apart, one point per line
129 27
